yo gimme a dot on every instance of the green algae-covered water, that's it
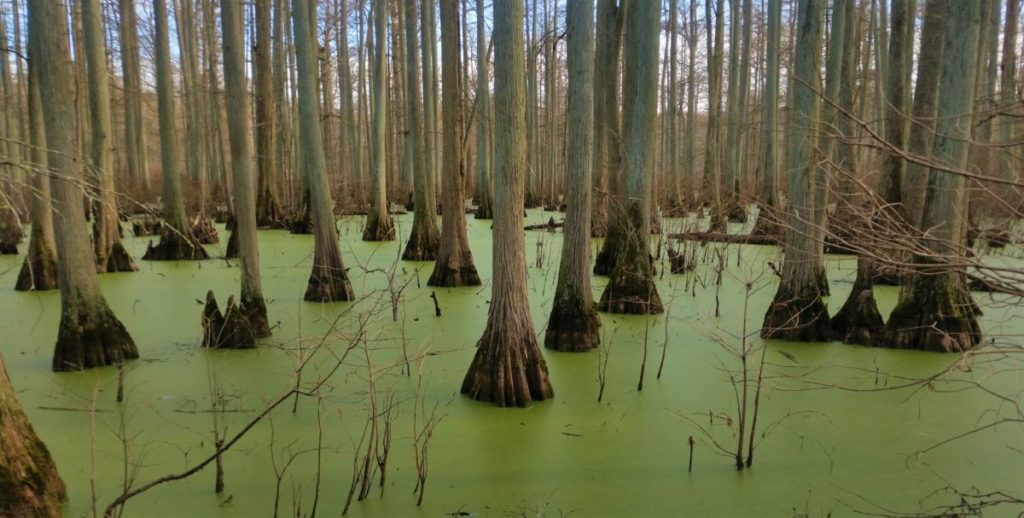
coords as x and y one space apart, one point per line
831 438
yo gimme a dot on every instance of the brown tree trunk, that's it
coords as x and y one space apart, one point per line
454 266
508 368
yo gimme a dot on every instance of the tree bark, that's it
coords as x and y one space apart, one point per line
379 226
508 368
574 322
424 238
328 280
454 265
111 255
631 288
797 312
89 334
29 482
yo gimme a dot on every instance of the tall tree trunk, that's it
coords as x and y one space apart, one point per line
328 280
483 118
11 232
268 211
631 288
424 238
89 334
430 162
606 115
454 266
134 130
926 93
1008 91
29 480
768 218
938 314
379 226
797 312
176 238
251 304
712 144
39 271
111 255
574 322
508 368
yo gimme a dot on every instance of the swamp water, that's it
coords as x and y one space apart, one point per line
835 443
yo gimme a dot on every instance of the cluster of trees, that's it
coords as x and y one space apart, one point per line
598 135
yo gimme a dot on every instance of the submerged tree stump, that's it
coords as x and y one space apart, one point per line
29 482
204 232
175 246
228 330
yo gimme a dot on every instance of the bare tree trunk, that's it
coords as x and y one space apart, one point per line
176 238
328 280
110 253
631 288
797 312
606 116
39 271
379 226
32 486
134 130
712 144
424 238
508 368
454 266
89 334
938 314
252 304
483 118
574 322
768 218
429 104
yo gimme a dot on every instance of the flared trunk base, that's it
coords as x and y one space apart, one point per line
448 277
29 482
735 212
380 228
423 244
327 284
797 316
858 321
508 371
118 260
174 246
573 327
938 315
91 338
39 271
631 289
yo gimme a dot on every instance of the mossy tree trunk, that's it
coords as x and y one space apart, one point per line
379 226
508 368
29 482
631 288
938 313
574 322
89 334
454 265
797 311
424 238
176 239
111 255
328 280
39 271
252 304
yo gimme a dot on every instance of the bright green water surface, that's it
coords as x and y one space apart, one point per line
839 451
